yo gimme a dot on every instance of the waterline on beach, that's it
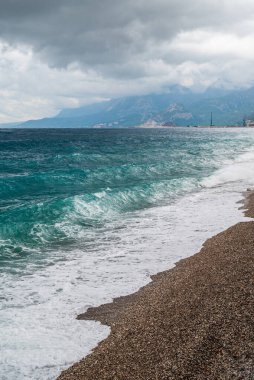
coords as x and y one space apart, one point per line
88 260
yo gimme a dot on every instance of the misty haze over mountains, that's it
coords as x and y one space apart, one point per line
179 106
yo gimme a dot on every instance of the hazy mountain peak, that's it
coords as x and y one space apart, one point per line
179 106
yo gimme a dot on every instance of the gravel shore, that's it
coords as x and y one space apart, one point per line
195 321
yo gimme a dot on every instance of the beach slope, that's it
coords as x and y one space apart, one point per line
195 321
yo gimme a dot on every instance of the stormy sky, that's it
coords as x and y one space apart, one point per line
65 53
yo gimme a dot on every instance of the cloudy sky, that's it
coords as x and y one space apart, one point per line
65 53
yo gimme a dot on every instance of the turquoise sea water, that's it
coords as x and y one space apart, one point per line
55 183
76 196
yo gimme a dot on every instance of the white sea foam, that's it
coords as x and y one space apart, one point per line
240 169
39 333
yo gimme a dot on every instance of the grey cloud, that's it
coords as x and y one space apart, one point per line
102 34
79 51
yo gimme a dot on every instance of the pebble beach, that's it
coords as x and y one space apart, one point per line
194 321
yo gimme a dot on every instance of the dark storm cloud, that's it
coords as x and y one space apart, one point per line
107 34
66 53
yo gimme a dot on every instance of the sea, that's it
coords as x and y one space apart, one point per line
88 215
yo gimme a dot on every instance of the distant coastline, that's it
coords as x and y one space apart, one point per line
157 126
178 106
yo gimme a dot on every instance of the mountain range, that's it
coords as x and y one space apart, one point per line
178 106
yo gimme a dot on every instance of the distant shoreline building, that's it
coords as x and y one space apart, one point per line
249 123
211 121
